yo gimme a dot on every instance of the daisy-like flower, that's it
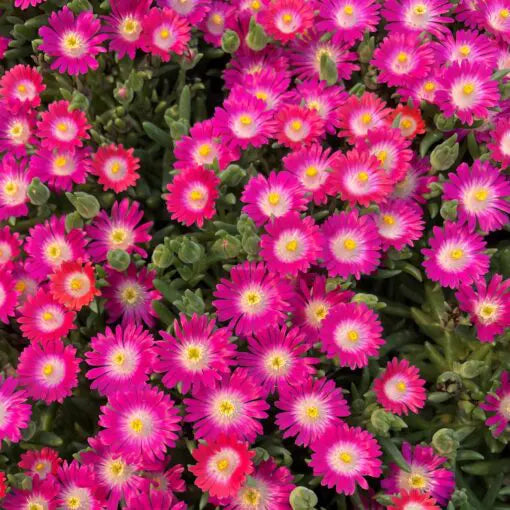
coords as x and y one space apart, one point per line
348 20
411 122
276 358
120 359
359 178
500 142
219 17
154 500
21 86
15 411
358 115
399 223
193 10
16 129
141 421
425 474
222 466
124 26
202 147
43 494
283 20
25 4
499 404
488 306
24 283
116 167
118 231
62 129
306 54
164 32
401 57
192 196
413 500
48 372
10 244
273 197
467 45
74 41
415 183
291 244
4 44
344 456
61 169
8 295
198 354
351 332
42 462
495 17
421 89
129 296
482 193
73 284
468 13
252 298
455 256
48 246
233 406
417 16
43 319
307 410
467 91
243 120
14 182
352 245
399 388
298 126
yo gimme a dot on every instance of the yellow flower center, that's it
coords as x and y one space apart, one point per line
345 457
504 13
117 468
115 167
118 359
16 129
287 18
10 188
273 198
350 244
194 354
245 120
196 195
35 506
389 220
20 286
47 316
417 482
481 194
164 34
382 155
320 312
292 245
277 362
349 10
21 88
313 412
253 298
296 125
204 150
76 283
130 295
456 254
251 497
130 26
487 311
62 127
420 9
222 464
39 466
366 118
47 369
226 408
353 335
468 89
260 94
311 171
60 161
401 386
217 19
465 50
402 57
118 236
72 42
362 176
406 123
255 5
73 502
136 425
54 251
429 86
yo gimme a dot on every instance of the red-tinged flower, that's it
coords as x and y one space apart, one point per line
73 40
192 196
15 411
498 403
42 462
62 129
10 245
222 466
193 10
411 122
220 16
3 484
344 456
24 283
413 500
21 86
73 284
42 319
298 126
351 332
164 32
495 17
8 295
416 181
116 167
14 182
500 142
283 20
16 129
43 493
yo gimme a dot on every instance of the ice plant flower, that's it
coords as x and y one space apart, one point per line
283 20
425 474
42 462
192 196
73 41
219 17
14 181
16 130
15 411
42 493
222 466
119 359
25 4
455 256
352 244
140 421
115 167
193 10
21 86
411 122
488 306
344 456
466 45
196 355
308 409
297 126
252 298
24 283
49 371
399 388
10 244
413 500
499 404
277 358
415 183
494 18
500 142
8 295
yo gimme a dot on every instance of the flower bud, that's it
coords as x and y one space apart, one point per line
471 369
444 123
448 210
86 205
449 382
444 155
178 129
37 192
366 50
256 39
381 421
118 259
227 246
232 175
245 225
189 251
73 220
328 70
230 41
302 498
161 257
191 302
251 244
445 442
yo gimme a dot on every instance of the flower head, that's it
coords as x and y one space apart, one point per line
16 129
8 295
220 16
10 244
21 86
411 122
283 20
43 493
298 126
499 404
15 413
413 500
14 182
466 45
42 462
193 10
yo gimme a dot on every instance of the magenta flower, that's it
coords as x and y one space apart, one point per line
498 403
421 89
74 41
232 406
415 183
15 411
466 45
307 410
455 256
220 16
198 354
10 244
500 142
8 295
21 86
344 456
16 129
252 299
14 181
120 359
25 4
297 126
494 17
141 421
193 10
42 462
42 493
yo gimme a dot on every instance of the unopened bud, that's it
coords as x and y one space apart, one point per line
86 205
230 41
119 259
37 192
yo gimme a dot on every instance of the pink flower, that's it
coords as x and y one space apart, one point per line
411 122
25 4
43 492
351 332
297 126
120 359
198 354
344 456
10 244
455 256
500 142
232 406
193 10
494 18
192 196
74 41
8 295
42 463
407 500
252 299
415 183
141 421
466 45
14 181
16 129
21 86
499 404
15 411
220 16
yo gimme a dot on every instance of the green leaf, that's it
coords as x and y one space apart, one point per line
157 134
